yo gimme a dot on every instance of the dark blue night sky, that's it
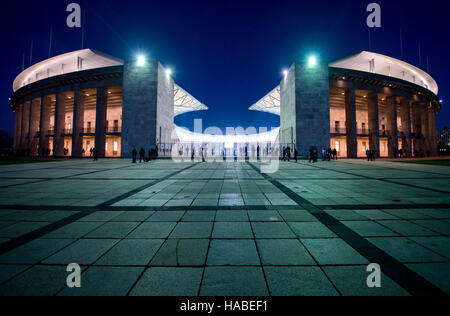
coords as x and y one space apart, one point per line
226 53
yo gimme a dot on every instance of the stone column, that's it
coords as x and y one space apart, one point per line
100 120
405 115
374 122
432 131
417 124
425 128
44 143
25 125
35 116
391 117
18 127
78 124
350 115
60 122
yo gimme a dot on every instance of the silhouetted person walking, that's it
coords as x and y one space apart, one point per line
95 153
335 154
134 154
141 155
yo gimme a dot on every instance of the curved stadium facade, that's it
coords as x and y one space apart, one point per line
70 104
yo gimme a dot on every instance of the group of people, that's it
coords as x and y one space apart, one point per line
329 154
287 154
152 155
371 154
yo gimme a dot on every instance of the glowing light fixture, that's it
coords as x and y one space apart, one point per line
141 60
312 61
168 72
285 73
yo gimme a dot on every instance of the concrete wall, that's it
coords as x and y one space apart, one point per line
305 97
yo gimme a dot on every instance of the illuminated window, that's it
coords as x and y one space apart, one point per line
338 146
116 146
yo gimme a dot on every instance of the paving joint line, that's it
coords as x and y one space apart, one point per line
38 233
398 272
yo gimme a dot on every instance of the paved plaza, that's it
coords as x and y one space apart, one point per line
224 229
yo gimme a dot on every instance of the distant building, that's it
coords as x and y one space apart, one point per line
444 141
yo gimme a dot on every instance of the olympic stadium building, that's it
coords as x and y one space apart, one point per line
72 103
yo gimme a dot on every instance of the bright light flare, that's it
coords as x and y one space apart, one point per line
141 60
312 61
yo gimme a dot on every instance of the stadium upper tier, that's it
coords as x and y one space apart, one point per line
88 59
365 62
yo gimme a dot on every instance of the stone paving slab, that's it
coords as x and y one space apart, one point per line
234 281
333 251
233 253
222 228
153 230
350 281
182 252
284 252
169 282
83 252
406 250
131 252
298 281
105 281
37 281
35 251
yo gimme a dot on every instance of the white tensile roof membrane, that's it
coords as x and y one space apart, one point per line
387 66
271 103
85 59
